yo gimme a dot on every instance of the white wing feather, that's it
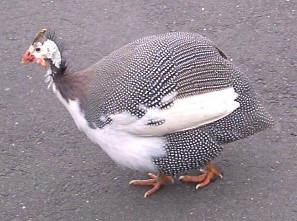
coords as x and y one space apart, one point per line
186 113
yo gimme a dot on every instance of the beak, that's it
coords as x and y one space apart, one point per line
27 57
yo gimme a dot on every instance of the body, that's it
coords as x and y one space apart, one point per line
164 103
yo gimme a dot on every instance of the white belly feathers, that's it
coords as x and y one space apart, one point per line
125 148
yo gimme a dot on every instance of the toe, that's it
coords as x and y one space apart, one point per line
152 190
142 182
193 179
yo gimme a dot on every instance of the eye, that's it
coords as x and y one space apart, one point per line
37 49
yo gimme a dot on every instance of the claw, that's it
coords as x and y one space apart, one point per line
204 179
155 180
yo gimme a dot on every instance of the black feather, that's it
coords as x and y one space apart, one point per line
221 53
58 72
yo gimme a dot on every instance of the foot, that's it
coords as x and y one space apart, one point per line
203 180
155 181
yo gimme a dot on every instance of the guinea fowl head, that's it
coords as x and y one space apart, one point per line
44 51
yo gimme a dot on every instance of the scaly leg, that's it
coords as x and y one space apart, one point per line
203 180
155 181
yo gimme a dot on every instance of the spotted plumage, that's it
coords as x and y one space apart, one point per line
164 103
187 150
144 71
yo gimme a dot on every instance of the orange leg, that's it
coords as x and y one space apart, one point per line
155 181
203 180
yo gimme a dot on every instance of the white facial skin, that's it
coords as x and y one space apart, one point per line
47 50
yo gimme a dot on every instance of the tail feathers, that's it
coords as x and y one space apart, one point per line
239 125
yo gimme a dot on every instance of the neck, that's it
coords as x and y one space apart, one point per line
66 85
69 85
55 72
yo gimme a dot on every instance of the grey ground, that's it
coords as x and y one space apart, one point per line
51 171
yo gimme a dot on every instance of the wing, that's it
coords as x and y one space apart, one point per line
189 87
162 85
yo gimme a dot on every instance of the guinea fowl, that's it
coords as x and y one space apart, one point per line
164 103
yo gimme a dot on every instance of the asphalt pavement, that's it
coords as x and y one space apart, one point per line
51 171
